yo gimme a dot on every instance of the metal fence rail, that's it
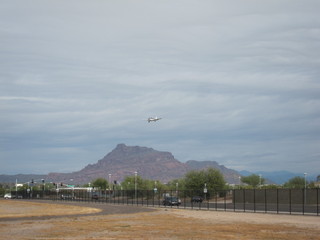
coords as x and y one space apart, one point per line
287 201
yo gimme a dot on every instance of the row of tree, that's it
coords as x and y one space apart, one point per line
295 182
210 179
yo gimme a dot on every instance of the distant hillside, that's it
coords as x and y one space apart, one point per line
125 161
22 178
279 177
149 163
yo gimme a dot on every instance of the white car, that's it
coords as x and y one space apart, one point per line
7 196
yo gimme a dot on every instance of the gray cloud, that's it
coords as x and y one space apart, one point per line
234 82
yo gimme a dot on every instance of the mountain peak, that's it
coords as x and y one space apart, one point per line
131 149
120 146
124 160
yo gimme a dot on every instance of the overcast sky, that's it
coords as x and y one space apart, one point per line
236 82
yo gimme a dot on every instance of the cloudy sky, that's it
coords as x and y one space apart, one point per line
236 82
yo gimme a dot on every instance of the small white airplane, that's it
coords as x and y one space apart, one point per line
153 119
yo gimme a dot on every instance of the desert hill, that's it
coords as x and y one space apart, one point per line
149 163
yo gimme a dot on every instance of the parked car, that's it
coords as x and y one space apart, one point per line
197 199
67 197
95 197
8 196
171 201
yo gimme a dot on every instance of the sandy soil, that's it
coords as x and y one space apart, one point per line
23 220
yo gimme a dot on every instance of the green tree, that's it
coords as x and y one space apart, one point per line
253 180
49 186
295 182
130 182
142 184
2 190
160 186
23 188
100 183
176 184
212 178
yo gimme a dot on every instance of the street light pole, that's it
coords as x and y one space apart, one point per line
155 187
260 180
177 189
205 190
305 188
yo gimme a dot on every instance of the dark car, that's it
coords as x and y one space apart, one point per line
95 197
197 199
171 201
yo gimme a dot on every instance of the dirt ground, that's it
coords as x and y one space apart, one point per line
56 220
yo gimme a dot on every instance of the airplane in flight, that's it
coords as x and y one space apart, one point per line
153 119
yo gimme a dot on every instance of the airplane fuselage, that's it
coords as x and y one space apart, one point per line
153 119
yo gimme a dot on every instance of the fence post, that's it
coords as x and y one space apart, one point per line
216 200
277 200
254 200
317 201
127 199
153 198
290 201
225 200
234 199
303 202
265 200
244 200
185 196
208 200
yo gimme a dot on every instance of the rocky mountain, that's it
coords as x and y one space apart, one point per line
149 163
126 160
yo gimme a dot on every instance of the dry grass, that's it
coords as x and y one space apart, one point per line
160 224
13 209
